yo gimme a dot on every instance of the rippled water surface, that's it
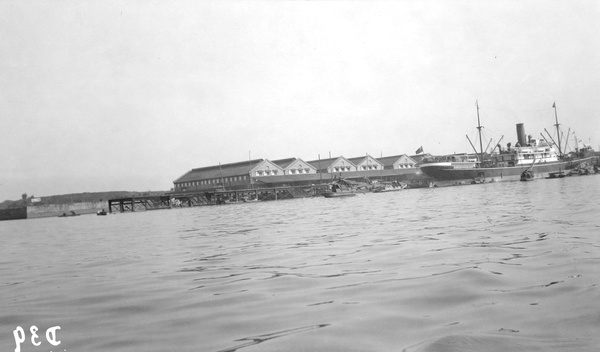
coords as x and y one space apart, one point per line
496 267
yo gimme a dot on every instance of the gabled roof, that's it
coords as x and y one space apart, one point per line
326 163
356 160
322 163
360 159
265 164
217 171
391 160
283 163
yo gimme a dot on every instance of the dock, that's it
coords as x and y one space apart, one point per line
143 203
195 199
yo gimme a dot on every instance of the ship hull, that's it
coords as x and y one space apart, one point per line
446 174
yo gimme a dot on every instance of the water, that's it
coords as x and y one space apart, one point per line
507 266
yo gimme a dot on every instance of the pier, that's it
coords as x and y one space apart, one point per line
194 199
263 189
143 203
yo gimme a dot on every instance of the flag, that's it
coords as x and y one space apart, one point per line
420 150
554 104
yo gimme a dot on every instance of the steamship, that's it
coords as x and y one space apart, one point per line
536 155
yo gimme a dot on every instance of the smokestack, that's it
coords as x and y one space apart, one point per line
521 135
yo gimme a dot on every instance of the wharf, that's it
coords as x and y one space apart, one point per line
138 203
265 189
194 199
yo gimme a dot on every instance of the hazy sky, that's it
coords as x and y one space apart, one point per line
129 95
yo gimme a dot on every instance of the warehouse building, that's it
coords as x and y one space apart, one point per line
333 165
230 176
366 163
292 172
398 162
295 166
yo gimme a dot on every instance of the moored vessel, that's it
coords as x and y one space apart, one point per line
393 186
536 157
338 194
340 188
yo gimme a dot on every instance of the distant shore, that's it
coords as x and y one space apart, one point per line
73 198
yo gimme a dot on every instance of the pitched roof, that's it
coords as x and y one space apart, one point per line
359 159
265 165
322 163
390 160
283 163
217 171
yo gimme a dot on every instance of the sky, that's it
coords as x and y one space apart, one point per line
129 95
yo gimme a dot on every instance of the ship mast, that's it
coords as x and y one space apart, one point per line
557 129
479 127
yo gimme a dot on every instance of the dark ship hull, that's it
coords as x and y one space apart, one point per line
447 174
530 155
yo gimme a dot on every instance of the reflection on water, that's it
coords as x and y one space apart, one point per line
493 267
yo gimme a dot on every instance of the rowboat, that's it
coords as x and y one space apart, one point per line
338 194
389 187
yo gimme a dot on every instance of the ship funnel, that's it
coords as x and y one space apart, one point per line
521 135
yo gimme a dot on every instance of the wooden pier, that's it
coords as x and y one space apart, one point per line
139 203
194 199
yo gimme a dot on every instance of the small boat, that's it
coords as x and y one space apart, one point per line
249 200
558 174
101 212
582 170
527 175
222 201
338 194
477 180
389 187
340 188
